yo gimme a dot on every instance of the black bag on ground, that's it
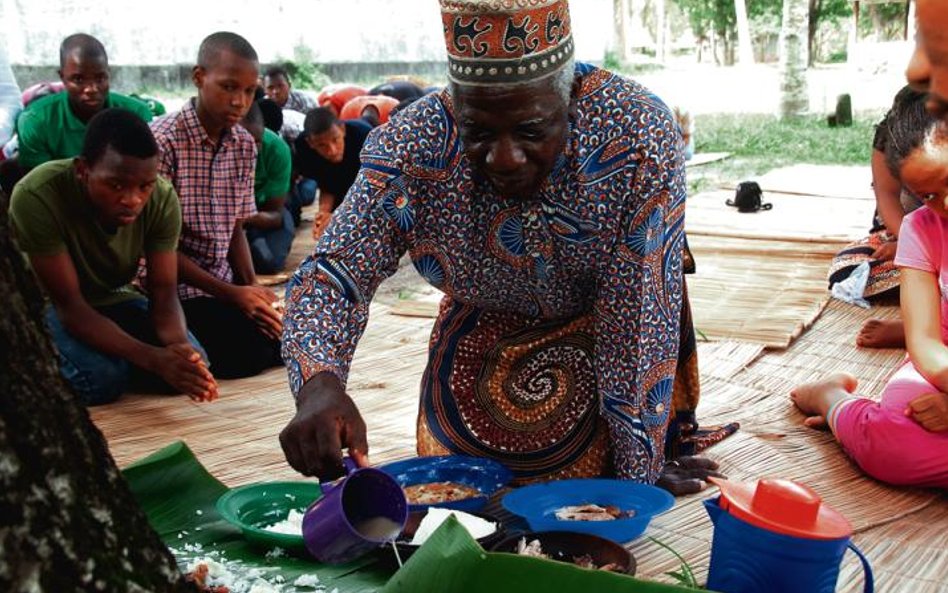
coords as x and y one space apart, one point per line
747 198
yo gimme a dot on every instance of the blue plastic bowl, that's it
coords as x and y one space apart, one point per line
538 504
487 475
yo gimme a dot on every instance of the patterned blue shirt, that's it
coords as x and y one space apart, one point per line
605 235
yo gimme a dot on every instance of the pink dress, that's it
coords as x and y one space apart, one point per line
887 444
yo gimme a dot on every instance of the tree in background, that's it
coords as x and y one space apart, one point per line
623 44
821 11
794 100
712 21
717 21
745 50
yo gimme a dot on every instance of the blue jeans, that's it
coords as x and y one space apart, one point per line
302 194
99 378
269 247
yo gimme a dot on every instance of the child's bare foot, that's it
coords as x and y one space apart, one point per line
879 333
815 399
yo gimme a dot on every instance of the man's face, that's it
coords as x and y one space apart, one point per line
226 88
118 186
928 69
87 83
513 134
278 89
331 144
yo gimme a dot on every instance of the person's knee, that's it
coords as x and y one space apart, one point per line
887 448
103 384
261 255
306 191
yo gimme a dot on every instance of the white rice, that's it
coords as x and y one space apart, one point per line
476 526
292 525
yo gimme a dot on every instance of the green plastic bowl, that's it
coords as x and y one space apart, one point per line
254 506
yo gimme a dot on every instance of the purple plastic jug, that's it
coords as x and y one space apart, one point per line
357 514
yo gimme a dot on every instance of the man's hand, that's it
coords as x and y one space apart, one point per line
182 367
886 252
320 222
930 410
326 421
258 303
687 475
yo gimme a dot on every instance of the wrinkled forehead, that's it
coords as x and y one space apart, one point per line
530 99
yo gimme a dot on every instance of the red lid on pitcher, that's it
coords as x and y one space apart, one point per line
783 506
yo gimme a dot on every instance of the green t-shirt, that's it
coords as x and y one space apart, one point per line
51 213
274 163
49 130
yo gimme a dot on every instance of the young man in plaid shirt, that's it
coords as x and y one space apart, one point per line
210 160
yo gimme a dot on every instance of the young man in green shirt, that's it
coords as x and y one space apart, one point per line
53 127
270 231
85 224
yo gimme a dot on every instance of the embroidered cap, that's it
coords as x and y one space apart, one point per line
505 41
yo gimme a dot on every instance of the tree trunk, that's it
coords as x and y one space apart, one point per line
620 12
728 49
714 48
878 23
68 521
815 14
661 27
745 50
794 100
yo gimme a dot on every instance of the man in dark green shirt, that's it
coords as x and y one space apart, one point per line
271 230
53 127
85 224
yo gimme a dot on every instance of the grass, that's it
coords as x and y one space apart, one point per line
759 143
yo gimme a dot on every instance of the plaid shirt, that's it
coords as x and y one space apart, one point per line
214 183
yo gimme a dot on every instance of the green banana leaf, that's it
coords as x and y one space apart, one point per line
179 497
451 556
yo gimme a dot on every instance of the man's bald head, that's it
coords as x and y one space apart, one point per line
216 44
85 47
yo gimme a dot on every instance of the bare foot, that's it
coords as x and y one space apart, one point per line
815 399
879 333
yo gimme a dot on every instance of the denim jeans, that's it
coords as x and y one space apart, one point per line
302 194
99 378
269 247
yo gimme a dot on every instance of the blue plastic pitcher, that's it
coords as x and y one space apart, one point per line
777 543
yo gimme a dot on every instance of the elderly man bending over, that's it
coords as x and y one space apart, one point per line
546 199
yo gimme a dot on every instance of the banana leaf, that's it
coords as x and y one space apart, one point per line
451 556
178 495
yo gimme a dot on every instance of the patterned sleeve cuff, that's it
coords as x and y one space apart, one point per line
301 367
